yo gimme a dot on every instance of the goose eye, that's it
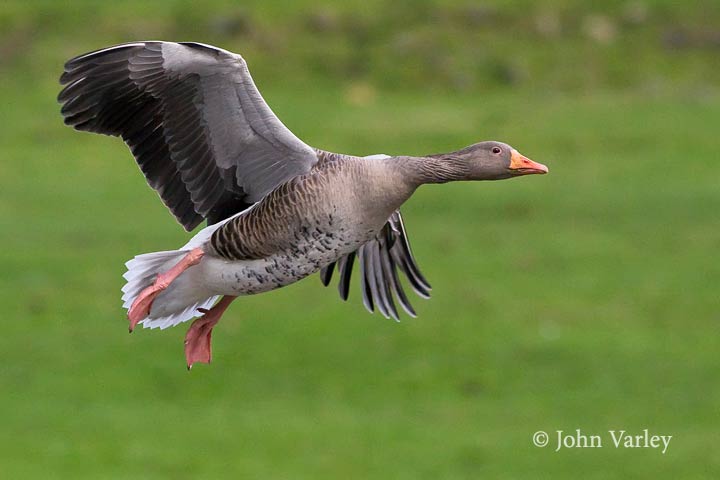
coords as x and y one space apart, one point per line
496 150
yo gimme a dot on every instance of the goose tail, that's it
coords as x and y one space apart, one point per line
185 295
180 305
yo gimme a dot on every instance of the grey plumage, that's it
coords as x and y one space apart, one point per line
277 209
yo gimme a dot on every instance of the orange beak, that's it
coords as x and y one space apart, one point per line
521 165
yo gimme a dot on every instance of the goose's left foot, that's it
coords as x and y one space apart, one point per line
141 306
197 339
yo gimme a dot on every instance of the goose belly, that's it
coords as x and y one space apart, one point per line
307 256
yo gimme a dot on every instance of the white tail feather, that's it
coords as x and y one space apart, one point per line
141 273
188 314
144 269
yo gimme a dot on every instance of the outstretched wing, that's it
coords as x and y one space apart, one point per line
380 259
200 131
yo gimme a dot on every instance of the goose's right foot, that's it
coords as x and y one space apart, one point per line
197 339
141 306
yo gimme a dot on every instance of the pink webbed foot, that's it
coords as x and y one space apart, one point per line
199 335
141 306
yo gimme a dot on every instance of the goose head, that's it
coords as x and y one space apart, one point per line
496 161
480 161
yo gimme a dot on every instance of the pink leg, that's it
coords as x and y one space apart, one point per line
197 339
141 306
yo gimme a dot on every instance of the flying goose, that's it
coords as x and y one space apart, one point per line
277 209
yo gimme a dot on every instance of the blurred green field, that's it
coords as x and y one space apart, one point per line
587 298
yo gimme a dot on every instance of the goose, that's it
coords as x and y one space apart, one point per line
277 210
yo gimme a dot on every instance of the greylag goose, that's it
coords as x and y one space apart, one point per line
277 209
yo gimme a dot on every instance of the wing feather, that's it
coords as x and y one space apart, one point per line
197 126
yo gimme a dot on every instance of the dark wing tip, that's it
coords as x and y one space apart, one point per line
101 95
345 267
326 274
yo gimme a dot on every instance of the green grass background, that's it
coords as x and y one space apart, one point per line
587 298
